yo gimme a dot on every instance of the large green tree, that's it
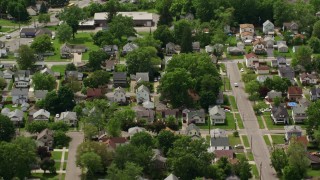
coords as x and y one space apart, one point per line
96 58
279 160
91 162
26 58
36 126
42 44
313 121
314 44
303 57
96 79
44 18
43 81
186 41
64 33
130 170
142 139
297 158
163 34
7 130
122 26
165 140
72 16
243 169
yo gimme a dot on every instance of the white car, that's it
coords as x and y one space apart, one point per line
236 85
8 36
241 70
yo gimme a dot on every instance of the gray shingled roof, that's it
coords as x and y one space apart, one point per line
219 141
279 112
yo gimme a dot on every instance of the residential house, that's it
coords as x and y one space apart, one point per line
217 115
240 45
22 78
259 47
67 50
251 59
246 28
292 131
269 41
196 46
119 95
304 102
110 49
16 116
263 78
143 94
282 46
115 142
262 70
246 36
110 65
3 52
75 75
120 79
274 63
268 26
45 138
41 115
291 26
28 32
224 153
314 161
171 177
220 98
25 106
195 116
189 16
68 117
19 95
5 111
219 143
171 49
133 130
40 94
48 71
314 94
148 105
143 113
271 95
318 14
308 79
218 133
287 72
279 115
7 74
233 177
294 93
170 112
94 93
209 49
129 47
193 131
142 77
158 160
281 61
299 114
235 51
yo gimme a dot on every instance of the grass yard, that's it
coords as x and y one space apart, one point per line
250 156
260 122
66 156
240 65
234 140
239 121
57 165
245 140
5 22
266 139
226 83
222 67
278 139
270 124
255 171
241 155
47 176
233 103
232 57
5 29
232 40
56 155
59 68
288 54
313 173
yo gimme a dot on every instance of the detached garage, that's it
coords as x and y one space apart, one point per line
140 19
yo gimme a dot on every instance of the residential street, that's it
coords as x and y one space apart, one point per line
259 147
72 171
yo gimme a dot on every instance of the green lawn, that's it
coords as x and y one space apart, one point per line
232 40
239 121
66 156
226 83
5 29
231 57
80 38
56 155
260 122
5 22
288 54
230 124
240 155
250 156
222 67
266 139
47 176
313 173
255 171
278 139
270 124
240 65
245 140
59 68
234 140
57 165
233 103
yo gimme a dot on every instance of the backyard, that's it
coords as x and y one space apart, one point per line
234 140
278 139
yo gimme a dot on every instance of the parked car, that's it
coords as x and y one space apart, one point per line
236 85
8 36
241 70
239 146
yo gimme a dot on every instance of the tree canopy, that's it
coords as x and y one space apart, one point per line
43 82
7 130
26 58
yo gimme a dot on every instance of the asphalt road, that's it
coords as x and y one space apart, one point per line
259 147
72 171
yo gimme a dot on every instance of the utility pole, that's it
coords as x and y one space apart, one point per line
251 143
260 170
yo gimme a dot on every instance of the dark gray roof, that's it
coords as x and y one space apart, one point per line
279 112
219 141
19 91
24 73
315 91
192 127
40 94
119 76
28 30
287 72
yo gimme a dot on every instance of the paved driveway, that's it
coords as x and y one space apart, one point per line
72 171
259 147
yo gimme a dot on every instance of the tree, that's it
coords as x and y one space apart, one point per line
3 83
163 8
277 101
73 84
314 44
71 67
122 26
225 167
165 140
102 38
43 152
91 162
98 148
96 58
36 126
163 34
96 79
297 158
61 126
44 18
179 30
42 44
7 130
219 37
280 84
64 33
48 164
65 98
17 10
142 139
72 16
112 7
126 118
60 139
26 58
279 160
243 169
148 41
252 87
43 8
142 60
289 173
90 131
303 57
114 128
174 86
313 117
43 81
131 170
186 41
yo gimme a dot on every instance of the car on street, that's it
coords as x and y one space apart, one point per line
236 84
8 36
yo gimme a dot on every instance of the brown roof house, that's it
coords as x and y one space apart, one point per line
67 50
294 93
290 26
115 142
251 59
224 153
262 70
143 113
94 93
45 138
309 79
259 46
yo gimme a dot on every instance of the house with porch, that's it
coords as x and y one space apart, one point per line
299 113
292 131
217 115
195 116
41 115
279 115
294 93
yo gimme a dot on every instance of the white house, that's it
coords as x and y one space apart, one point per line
217 115
143 94
269 41
251 59
21 78
68 117
268 26
41 115
19 95
195 116
133 130
262 70
246 28
219 143
119 95
246 36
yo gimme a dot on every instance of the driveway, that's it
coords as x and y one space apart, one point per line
77 58
72 171
259 147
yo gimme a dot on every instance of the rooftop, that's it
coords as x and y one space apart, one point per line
134 15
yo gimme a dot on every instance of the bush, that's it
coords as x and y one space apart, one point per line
235 134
